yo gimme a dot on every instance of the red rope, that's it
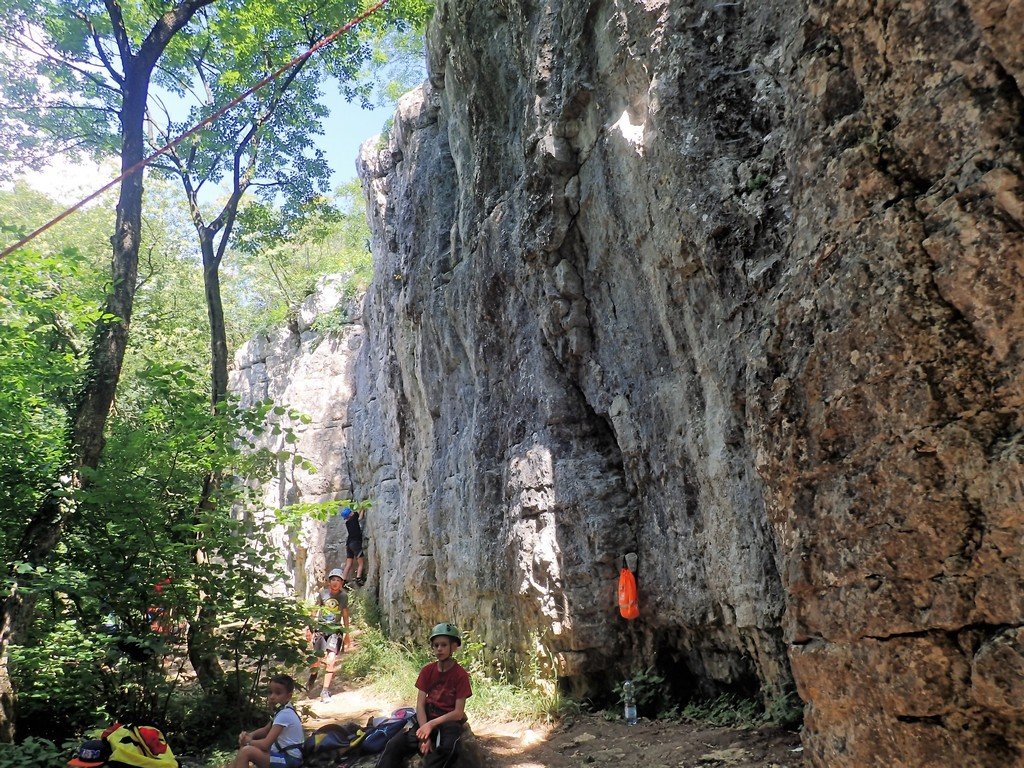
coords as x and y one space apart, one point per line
199 126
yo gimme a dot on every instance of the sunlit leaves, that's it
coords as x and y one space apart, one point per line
43 328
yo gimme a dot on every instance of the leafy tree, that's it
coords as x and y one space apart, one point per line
275 270
45 315
77 75
124 584
397 64
42 325
91 654
266 145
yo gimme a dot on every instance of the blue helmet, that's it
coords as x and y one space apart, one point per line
346 513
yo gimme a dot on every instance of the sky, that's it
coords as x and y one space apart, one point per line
347 127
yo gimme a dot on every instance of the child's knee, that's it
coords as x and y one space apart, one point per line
248 755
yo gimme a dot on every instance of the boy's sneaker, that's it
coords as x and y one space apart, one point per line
347 587
325 696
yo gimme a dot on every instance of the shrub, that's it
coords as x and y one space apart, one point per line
33 753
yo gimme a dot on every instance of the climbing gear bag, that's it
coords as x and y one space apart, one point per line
138 746
628 605
380 730
328 744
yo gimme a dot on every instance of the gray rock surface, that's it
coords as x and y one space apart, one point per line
735 286
555 376
311 374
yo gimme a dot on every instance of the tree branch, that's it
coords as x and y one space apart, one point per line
183 84
124 45
64 106
44 53
200 63
118 77
191 193
162 32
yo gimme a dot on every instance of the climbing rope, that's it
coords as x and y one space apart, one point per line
199 126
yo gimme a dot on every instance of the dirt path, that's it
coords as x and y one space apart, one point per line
590 740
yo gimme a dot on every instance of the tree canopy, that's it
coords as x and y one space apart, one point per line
113 79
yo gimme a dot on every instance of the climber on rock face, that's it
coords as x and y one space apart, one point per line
354 545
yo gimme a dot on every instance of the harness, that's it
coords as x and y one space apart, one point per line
277 747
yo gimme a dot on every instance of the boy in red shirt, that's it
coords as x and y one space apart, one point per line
440 707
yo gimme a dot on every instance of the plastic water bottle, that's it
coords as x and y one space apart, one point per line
629 697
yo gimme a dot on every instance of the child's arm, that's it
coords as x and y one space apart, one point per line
455 716
344 622
264 738
421 717
248 737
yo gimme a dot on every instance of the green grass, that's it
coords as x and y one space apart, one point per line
389 669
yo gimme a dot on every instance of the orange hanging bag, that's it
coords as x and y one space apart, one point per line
628 605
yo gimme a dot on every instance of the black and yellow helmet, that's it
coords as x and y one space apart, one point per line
446 629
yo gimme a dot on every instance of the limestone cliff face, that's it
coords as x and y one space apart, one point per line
311 373
738 287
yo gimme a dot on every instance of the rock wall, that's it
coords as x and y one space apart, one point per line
309 373
735 286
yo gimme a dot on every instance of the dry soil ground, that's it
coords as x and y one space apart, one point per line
590 741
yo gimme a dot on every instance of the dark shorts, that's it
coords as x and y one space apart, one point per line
326 643
354 548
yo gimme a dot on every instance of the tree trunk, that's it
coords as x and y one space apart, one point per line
45 527
218 332
201 646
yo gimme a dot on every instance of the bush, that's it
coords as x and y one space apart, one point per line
34 753
725 710
149 559
653 697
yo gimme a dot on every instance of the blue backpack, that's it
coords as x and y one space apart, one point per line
380 730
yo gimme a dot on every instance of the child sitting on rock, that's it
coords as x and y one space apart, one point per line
443 688
278 744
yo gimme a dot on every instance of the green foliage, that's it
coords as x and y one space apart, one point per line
397 62
170 319
784 709
385 666
33 753
61 69
760 181
293 515
726 710
653 699
22 209
271 273
332 323
128 578
43 329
